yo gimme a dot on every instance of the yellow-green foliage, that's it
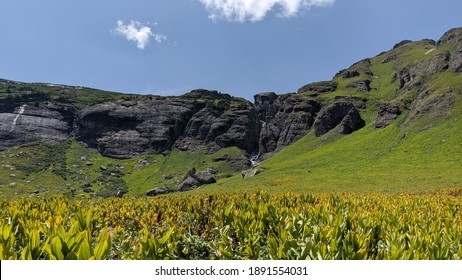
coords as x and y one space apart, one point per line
255 225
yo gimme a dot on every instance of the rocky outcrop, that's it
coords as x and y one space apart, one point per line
364 85
350 74
319 87
223 122
126 129
453 37
351 122
402 43
434 107
264 105
387 114
359 68
193 180
284 119
201 119
343 113
455 63
131 127
413 76
29 123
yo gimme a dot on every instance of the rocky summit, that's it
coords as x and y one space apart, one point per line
413 85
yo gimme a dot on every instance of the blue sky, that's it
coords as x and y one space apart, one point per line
241 47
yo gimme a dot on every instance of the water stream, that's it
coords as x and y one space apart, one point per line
254 160
20 112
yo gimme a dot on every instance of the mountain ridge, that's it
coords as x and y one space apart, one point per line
415 83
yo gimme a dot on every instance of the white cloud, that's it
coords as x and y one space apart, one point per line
159 38
256 10
137 32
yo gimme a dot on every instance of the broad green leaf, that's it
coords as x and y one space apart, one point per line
84 252
167 235
56 247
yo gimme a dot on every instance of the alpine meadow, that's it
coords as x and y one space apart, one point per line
367 165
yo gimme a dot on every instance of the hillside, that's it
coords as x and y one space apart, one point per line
411 100
388 123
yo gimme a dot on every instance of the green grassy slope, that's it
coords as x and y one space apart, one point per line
72 170
370 160
412 154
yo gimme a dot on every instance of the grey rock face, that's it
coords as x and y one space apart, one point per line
455 63
205 119
364 85
351 122
413 76
387 114
264 105
222 123
453 37
243 129
431 106
343 113
28 123
130 128
284 119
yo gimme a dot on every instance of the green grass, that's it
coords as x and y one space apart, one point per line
392 159
70 169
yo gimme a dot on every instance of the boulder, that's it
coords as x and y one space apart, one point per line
192 180
158 191
344 113
351 122
252 172
206 176
387 113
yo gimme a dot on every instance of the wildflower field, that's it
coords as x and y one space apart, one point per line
256 225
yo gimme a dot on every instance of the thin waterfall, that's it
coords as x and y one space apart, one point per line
20 112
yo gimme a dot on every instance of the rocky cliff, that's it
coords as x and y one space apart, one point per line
41 122
125 126
153 125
